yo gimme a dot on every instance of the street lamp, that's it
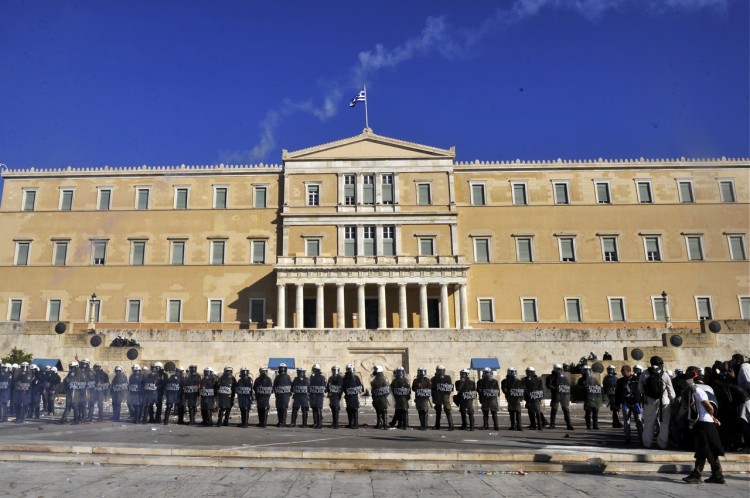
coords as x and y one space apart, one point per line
92 317
665 300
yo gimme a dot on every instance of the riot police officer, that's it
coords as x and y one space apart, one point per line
119 389
101 389
592 397
488 390
380 391
422 395
559 385
226 388
150 387
467 393
352 388
300 397
515 392
135 394
263 387
534 397
52 383
442 387
37 386
6 384
67 381
90 401
317 395
207 389
282 390
244 391
161 384
335 390
22 391
609 386
191 392
173 395
401 395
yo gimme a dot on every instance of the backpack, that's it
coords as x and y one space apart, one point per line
653 387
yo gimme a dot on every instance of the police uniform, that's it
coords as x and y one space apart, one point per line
401 395
68 393
515 392
352 387
609 385
488 390
6 382
90 401
119 390
101 389
21 392
442 387
52 382
244 391
317 396
190 392
592 398
558 384
207 390
421 386
135 395
466 390
173 395
150 386
534 397
37 387
282 390
380 390
300 397
334 388
263 388
226 387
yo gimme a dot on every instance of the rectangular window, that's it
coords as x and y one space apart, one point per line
386 189
482 250
177 256
602 193
66 200
217 252
134 310
745 307
644 192
609 249
617 309
214 310
350 190
567 249
138 253
694 247
99 252
737 248
653 248
519 194
220 197
685 189
486 313
259 197
29 199
258 249
14 310
181 198
726 187
703 304
561 193
22 253
524 250
368 189
142 198
477 194
313 195
659 305
427 247
53 310
312 248
257 310
424 195
174 310
573 309
60 255
350 240
368 240
528 309
389 240
105 199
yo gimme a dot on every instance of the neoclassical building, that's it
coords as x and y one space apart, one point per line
378 233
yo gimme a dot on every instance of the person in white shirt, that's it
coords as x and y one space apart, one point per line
702 416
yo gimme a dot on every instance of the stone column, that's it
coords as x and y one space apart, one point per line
463 295
424 321
319 306
444 314
381 306
361 306
280 306
340 316
300 298
403 319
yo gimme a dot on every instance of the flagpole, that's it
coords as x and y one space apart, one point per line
367 121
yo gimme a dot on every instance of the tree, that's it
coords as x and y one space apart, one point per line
17 356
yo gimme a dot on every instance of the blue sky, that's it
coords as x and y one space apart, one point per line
94 83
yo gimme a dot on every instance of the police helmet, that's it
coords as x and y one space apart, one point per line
638 369
118 368
244 370
228 369
487 372
158 365
585 370
282 368
530 370
464 372
15 366
350 368
8 366
316 368
136 368
97 366
422 371
54 369
193 368
25 364
512 371
399 372
440 370
33 367
377 369
611 369
206 370
678 372
263 370
73 364
47 368
179 369
301 371
335 370
557 367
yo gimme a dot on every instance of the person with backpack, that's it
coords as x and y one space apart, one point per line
627 397
656 387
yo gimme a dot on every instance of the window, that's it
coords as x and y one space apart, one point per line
653 248
177 256
573 309
659 305
524 252
257 310
427 246
99 252
368 240
217 251
737 247
477 194
486 313
528 309
259 197
313 195
105 199
703 304
214 310
14 310
29 199
424 194
258 252
567 249
482 250
350 240
134 310
561 192
66 199
174 310
93 310
181 198
609 249
368 189
350 190
312 248
519 194
60 253
644 192
685 189
22 253
53 310
389 240
386 189
617 309
726 188
602 193
220 197
142 198
138 253
744 307
694 247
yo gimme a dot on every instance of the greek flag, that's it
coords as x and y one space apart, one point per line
360 97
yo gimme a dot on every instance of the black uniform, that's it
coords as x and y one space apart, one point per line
380 391
352 388
534 397
226 388
334 387
422 395
300 398
317 397
208 397
609 386
190 393
22 393
68 394
101 390
282 390
488 390
119 390
442 387
52 382
515 392
559 387
263 387
135 396
6 385
466 390
150 387
161 385
173 395
90 401
592 401
244 390
401 395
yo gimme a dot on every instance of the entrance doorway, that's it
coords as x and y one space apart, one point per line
308 313
371 313
433 313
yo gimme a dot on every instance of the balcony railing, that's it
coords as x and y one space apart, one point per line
368 260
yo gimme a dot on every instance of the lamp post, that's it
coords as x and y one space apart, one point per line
665 300
92 317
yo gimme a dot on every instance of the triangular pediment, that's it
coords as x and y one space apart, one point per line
368 145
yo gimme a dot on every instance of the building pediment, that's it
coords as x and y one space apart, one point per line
368 145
